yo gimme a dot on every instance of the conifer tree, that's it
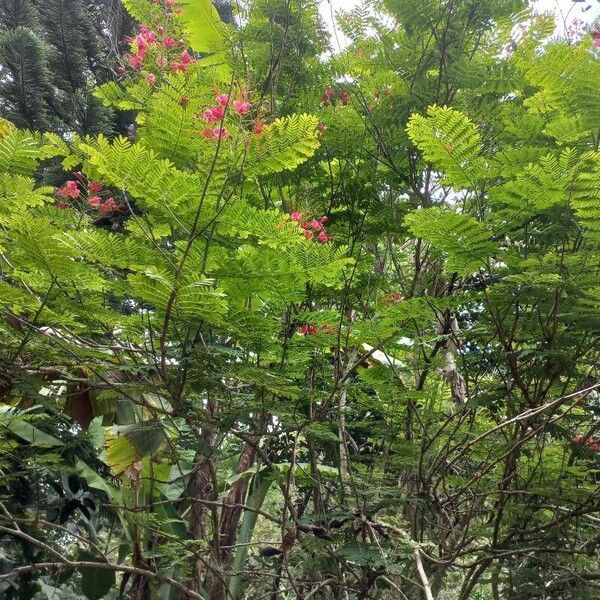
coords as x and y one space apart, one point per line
51 56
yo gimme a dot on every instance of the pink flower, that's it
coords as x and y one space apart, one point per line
95 201
323 237
241 107
216 133
161 62
324 219
259 128
148 35
213 114
134 61
223 99
151 78
316 225
328 95
94 187
109 205
69 190
307 329
308 235
597 40
185 58
140 45
170 2
296 216
169 42
178 67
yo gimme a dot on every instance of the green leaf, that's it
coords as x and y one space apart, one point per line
95 583
361 554
450 142
26 431
203 25
465 241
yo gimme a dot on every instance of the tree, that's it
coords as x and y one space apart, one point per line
52 55
340 340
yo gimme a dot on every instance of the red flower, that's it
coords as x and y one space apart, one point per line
216 133
95 201
108 206
328 95
185 58
161 62
151 78
134 61
69 190
259 128
140 45
307 329
316 225
148 35
345 98
241 107
169 42
213 114
308 235
94 187
296 216
178 67
223 99
393 297
323 237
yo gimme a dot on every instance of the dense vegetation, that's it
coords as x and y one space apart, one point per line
321 324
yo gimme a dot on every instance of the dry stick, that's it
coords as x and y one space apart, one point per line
423 575
79 564
532 412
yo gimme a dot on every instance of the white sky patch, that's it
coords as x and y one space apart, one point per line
565 10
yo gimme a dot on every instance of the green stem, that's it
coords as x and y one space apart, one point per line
260 486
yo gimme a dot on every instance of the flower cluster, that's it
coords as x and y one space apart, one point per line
330 95
393 298
314 228
307 329
217 113
590 444
148 42
98 198
69 190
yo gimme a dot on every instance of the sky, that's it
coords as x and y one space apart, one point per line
566 10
